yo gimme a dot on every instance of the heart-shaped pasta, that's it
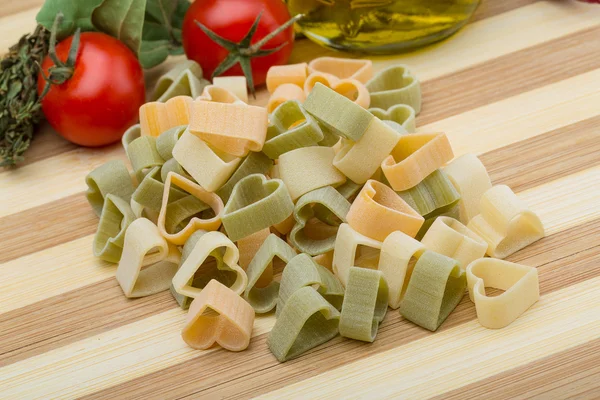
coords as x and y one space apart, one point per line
395 85
343 68
185 79
352 89
156 117
115 219
402 114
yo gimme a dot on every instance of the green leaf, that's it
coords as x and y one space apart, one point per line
76 15
123 19
153 53
161 10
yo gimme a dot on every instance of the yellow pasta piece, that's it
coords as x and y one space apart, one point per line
233 128
450 238
209 167
148 262
520 285
325 260
505 223
343 68
379 211
249 245
294 74
219 95
360 160
350 88
156 118
235 84
283 93
210 224
414 158
206 244
309 168
353 249
218 315
471 180
399 253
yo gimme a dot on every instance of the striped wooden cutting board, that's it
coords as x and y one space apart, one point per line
520 86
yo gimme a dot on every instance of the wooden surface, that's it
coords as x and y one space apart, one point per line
520 86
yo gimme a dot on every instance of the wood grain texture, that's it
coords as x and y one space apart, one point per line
520 85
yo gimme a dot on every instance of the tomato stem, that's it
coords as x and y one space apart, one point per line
243 51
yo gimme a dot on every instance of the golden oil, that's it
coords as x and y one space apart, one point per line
380 26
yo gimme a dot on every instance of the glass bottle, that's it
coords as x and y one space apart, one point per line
380 26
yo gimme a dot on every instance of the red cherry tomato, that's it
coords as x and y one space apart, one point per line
231 19
103 96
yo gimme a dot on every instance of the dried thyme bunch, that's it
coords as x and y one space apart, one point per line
20 110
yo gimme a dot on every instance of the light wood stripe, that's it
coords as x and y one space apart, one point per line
572 373
14 26
464 354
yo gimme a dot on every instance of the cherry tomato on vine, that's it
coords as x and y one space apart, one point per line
99 96
232 20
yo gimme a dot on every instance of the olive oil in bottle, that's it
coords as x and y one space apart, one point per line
380 26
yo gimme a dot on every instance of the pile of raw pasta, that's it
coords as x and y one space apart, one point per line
362 213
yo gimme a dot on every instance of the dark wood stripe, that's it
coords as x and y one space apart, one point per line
569 374
46 226
73 316
514 73
256 371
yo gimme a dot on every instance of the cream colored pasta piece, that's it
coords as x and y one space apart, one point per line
115 218
436 286
349 88
379 211
449 237
398 254
210 224
414 158
233 128
206 244
279 75
402 114
210 167
249 245
365 304
142 212
262 291
353 249
156 118
520 285
235 84
149 192
309 168
218 315
395 85
111 177
506 223
283 93
219 95
360 160
148 262
470 178
343 68
185 79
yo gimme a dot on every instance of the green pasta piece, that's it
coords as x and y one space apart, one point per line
399 114
290 127
130 135
109 178
334 203
303 271
337 113
433 197
110 235
264 299
143 155
221 272
180 211
254 163
306 321
365 304
185 79
149 193
330 138
171 165
349 190
166 141
436 286
395 85
256 203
